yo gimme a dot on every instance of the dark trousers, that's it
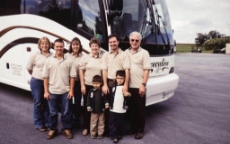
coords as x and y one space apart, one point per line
76 107
136 111
55 102
86 114
107 111
115 124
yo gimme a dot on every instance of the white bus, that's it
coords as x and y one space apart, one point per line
23 22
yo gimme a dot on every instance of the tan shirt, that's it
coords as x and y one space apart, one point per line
59 73
91 66
112 63
36 63
75 60
139 62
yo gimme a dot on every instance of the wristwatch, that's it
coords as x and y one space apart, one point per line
144 84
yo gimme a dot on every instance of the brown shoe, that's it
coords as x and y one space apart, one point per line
84 132
139 136
51 134
67 134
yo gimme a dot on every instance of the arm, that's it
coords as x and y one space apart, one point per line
142 89
46 89
105 88
126 84
71 91
81 74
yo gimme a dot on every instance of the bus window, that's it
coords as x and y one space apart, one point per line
89 19
57 10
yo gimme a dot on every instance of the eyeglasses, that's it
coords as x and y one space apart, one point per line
132 40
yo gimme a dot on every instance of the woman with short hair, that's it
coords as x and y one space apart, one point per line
34 67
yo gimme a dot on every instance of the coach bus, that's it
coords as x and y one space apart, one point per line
23 22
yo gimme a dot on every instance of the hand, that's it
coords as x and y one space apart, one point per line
105 89
106 107
70 95
47 95
142 90
83 91
126 94
124 88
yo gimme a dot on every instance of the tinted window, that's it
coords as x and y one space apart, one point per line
89 19
57 10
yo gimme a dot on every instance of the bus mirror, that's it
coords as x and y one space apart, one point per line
116 5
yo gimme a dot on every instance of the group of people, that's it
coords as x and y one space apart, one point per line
112 85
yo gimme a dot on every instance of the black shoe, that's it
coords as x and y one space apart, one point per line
139 136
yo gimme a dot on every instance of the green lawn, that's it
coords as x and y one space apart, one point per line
186 48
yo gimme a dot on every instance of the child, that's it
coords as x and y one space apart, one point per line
118 106
96 103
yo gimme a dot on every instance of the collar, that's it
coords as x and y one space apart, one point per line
79 55
64 56
119 51
98 56
138 50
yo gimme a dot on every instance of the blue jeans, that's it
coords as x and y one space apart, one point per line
61 100
76 107
41 108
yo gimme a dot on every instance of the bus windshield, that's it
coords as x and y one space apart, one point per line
149 17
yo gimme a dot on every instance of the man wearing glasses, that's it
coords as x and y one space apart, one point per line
139 74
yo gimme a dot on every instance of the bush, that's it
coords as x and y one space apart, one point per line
216 43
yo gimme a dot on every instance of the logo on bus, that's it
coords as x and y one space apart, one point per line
159 65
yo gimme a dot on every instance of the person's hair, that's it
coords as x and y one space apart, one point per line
137 34
73 41
111 36
44 39
97 78
58 40
120 73
95 41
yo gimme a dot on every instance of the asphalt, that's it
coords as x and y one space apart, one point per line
198 113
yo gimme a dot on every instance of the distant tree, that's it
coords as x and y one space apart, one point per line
214 34
201 38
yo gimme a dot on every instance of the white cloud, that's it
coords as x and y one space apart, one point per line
189 17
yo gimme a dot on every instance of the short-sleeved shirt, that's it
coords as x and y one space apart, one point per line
75 60
36 63
139 61
112 63
59 73
91 66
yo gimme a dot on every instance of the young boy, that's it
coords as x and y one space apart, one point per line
118 106
96 103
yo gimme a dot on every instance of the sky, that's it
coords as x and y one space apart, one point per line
189 17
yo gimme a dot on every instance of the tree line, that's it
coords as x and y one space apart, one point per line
212 40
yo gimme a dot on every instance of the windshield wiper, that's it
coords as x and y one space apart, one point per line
158 24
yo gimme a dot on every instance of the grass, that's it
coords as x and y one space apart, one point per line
186 48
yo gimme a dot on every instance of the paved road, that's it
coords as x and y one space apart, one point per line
199 112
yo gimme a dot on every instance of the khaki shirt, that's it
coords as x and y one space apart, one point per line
112 63
59 73
36 63
91 66
139 62
75 60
